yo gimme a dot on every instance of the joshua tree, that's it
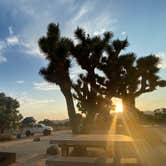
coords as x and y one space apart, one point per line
129 77
111 83
139 76
124 76
102 103
57 51
88 53
81 94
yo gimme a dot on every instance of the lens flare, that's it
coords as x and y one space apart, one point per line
119 107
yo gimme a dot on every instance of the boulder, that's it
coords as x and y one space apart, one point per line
36 139
53 150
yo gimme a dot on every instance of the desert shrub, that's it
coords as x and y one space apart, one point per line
53 150
36 139
6 137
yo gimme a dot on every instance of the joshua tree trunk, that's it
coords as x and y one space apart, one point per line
89 122
128 103
70 107
92 102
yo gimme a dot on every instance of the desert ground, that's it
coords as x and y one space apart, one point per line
31 153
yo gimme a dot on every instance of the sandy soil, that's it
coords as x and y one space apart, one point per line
29 153
150 149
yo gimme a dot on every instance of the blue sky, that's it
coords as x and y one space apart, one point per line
23 22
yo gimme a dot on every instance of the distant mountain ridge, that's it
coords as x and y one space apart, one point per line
148 112
60 121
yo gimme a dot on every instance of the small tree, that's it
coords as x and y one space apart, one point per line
160 114
27 121
47 122
9 115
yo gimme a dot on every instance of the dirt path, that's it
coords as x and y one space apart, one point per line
29 153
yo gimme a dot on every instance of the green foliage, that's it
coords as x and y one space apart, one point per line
27 121
9 114
47 122
160 115
6 137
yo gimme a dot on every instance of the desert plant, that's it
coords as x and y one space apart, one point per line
57 51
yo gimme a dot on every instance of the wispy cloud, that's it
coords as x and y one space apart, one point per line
99 32
10 30
2 45
24 99
32 101
82 13
162 57
44 86
95 23
2 48
2 59
20 82
123 33
31 49
12 40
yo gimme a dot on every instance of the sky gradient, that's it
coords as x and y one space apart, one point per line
23 22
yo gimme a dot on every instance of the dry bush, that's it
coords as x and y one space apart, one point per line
6 137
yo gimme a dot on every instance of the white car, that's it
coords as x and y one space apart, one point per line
38 128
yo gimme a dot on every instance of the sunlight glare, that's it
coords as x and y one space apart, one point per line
119 107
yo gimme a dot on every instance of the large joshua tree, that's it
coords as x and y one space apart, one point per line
81 94
102 103
88 52
110 66
57 51
134 77
128 77
139 76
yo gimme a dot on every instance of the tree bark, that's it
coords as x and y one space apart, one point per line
128 104
70 107
89 126
91 103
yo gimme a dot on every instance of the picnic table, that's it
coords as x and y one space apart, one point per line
95 140
89 140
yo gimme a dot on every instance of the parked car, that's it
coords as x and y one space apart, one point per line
37 128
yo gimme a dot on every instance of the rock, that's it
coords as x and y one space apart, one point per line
18 135
53 150
36 139
79 151
100 161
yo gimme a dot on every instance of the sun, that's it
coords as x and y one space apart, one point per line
119 107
